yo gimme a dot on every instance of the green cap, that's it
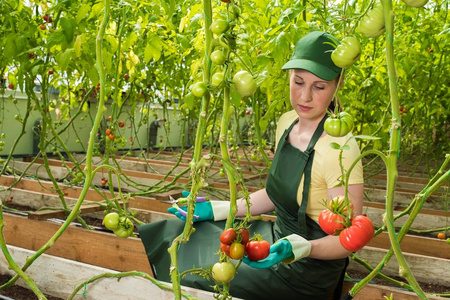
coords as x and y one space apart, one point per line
313 53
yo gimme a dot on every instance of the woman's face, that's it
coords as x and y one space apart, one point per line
310 95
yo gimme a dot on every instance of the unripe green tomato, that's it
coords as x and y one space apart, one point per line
217 57
223 271
111 221
219 26
3 135
340 125
346 53
217 79
416 3
372 24
199 89
244 83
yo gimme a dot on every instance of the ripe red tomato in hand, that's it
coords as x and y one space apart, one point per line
340 125
358 234
228 236
237 250
257 250
330 222
223 271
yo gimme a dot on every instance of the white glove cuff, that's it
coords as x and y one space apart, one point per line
220 209
300 247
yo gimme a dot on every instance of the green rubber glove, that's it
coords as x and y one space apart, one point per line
286 250
279 251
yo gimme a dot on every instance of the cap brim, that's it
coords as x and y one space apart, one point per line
315 68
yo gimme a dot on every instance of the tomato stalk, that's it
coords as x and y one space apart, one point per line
101 108
391 161
197 180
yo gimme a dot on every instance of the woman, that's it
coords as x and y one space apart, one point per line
305 262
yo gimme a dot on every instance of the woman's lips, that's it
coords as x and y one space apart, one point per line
304 108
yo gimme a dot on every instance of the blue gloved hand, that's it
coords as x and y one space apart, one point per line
279 251
287 250
202 212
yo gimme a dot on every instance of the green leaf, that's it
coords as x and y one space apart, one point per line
235 97
67 28
64 58
82 12
335 146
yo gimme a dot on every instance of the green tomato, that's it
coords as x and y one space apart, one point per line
217 57
372 24
244 83
346 53
217 79
416 3
111 221
199 89
223 271
340 125
219 26
125 228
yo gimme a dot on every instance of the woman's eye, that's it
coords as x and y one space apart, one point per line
298 83
320 87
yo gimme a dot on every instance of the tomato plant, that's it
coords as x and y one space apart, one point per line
244 83
244 235
347 52
125 228
372 24
219 26
223 271
111 220
199 89
237 250
358 234
340 125
228 236
217 57
330 222
257 249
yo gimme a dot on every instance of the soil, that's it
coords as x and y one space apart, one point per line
16 292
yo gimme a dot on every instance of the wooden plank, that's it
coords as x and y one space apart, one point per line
378 292
415 244
79 244
58 277
426 269
61 214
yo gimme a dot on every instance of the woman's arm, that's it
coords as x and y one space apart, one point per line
260 203
329 247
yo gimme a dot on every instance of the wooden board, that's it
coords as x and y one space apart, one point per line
91 247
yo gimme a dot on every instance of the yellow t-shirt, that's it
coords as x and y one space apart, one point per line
326 170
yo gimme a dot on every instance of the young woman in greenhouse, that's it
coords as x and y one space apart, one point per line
304 261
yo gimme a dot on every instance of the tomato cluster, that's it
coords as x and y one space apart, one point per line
121 226
334 221
237 243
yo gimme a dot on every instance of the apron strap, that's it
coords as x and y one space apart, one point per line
307 177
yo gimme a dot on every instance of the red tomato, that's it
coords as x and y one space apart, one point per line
108 131
225 248
121 123
257 250
228 236
236 250
358 235
245 235
330 222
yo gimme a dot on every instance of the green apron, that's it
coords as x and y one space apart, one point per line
304 279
